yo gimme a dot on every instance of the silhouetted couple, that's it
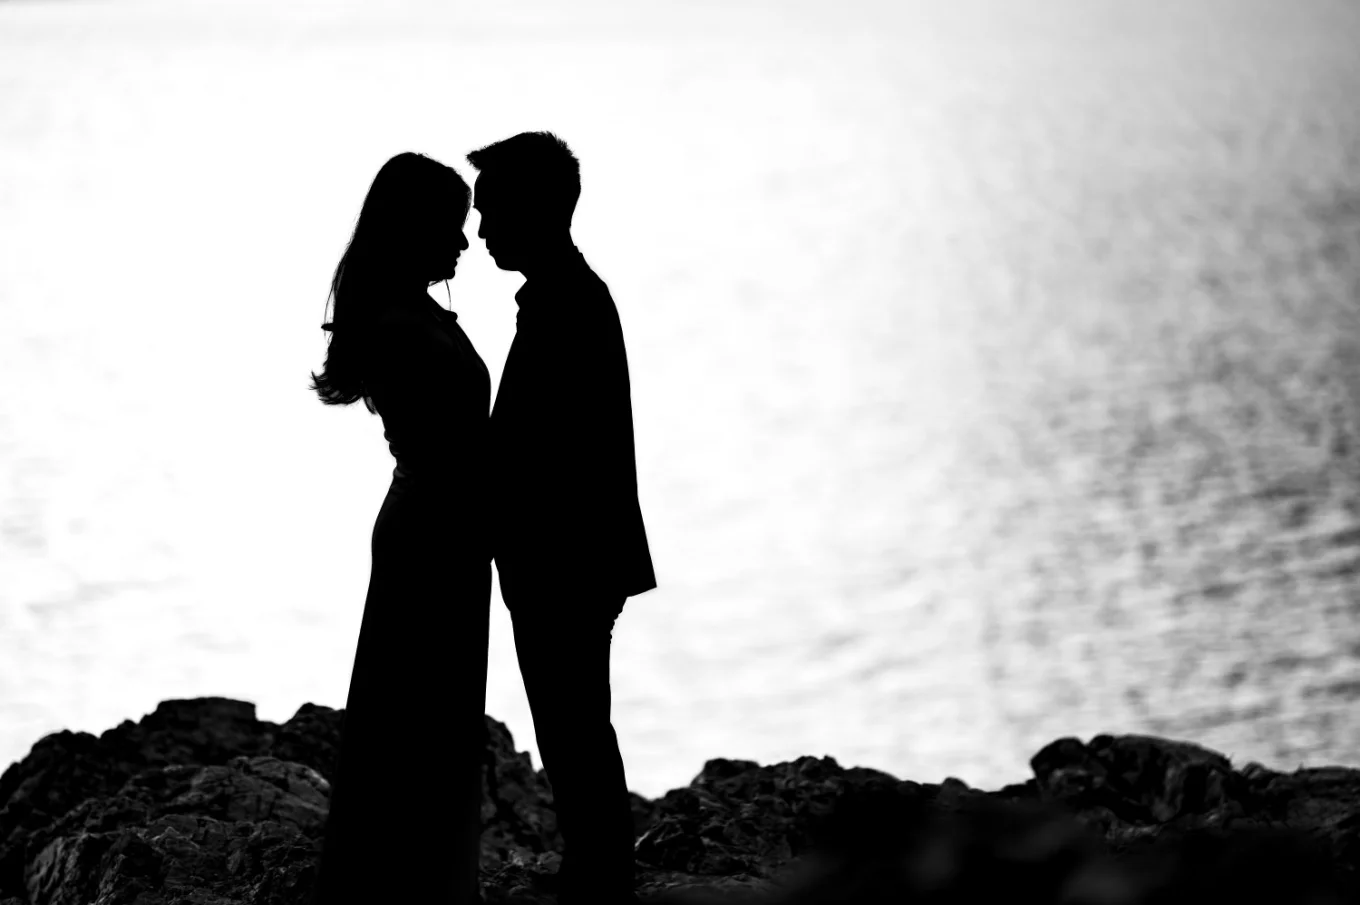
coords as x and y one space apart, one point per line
547 484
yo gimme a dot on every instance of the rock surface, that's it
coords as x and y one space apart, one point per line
201 802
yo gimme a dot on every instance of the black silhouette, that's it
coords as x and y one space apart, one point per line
569 542
423 639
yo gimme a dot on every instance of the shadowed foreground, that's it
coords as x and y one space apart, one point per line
201 802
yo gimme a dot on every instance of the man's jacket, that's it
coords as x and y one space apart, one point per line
565 497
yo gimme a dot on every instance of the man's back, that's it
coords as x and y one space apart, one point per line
562 441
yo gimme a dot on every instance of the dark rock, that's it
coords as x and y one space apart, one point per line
521 825
201 795
1135 778
737 817
900 847
1242 865
311 737
201 802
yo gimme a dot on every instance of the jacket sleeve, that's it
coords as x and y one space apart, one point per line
566 478
587 431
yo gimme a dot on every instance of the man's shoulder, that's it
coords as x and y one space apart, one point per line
596 282
574 300
591 293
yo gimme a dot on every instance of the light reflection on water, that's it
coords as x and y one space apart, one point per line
984 394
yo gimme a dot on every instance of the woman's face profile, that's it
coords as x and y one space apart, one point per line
448 243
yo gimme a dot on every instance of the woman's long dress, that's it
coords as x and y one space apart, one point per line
405 822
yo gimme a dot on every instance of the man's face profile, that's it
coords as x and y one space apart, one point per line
507 223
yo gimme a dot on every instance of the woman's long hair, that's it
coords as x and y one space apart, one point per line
404 219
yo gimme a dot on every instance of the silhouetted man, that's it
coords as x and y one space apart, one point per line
569 542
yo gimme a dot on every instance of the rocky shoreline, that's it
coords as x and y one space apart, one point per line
201 802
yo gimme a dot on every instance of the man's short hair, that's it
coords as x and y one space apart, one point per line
537 163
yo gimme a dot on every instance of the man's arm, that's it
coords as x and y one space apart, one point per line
564 427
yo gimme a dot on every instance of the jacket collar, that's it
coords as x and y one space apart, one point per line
568 268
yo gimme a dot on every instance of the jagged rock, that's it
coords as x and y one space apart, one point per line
172 830
1178 816
311 737
200 802
517 811
75 811
1137 778
737 817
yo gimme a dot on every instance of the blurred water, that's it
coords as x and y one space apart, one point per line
995 369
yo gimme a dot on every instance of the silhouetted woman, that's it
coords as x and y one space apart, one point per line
404 824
